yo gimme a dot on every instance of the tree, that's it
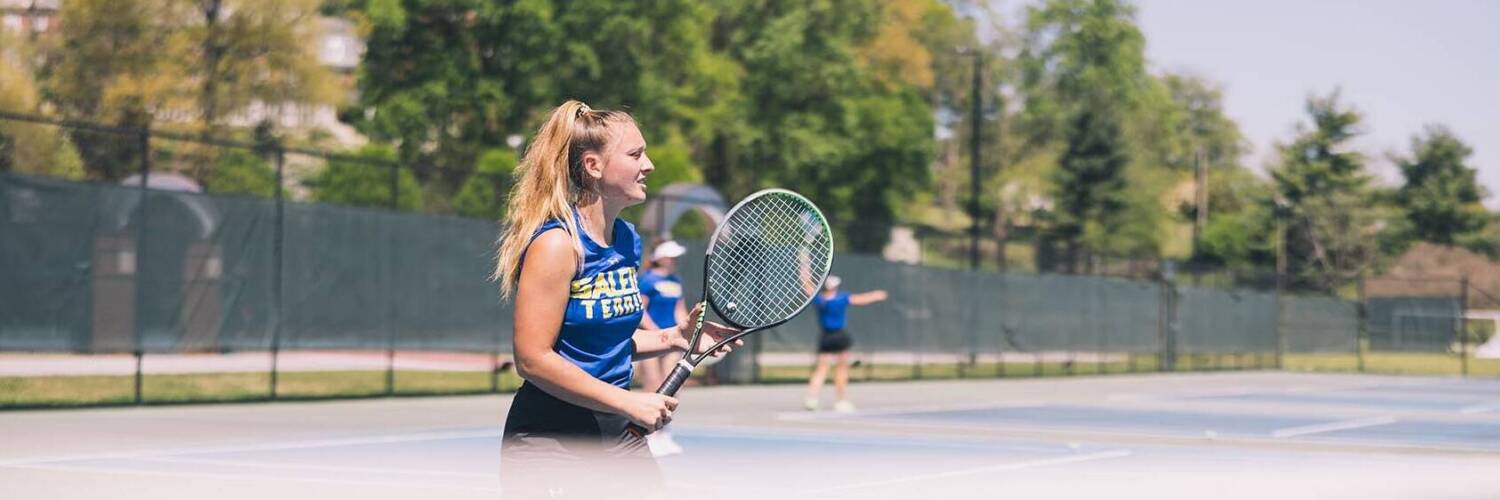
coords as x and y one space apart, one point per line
447 80
1203 127
1089 103
1090 186
182 62
252 52
241 172
1330 218
27 147
1441 198
367 183
483 194
814 118
114 63
1076 51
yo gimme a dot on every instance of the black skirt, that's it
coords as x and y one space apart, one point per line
555 449
834 342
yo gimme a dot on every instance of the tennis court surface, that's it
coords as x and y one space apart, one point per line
1216 435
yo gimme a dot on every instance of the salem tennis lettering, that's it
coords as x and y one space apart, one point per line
609 294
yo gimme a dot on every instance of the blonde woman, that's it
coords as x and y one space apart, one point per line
571 265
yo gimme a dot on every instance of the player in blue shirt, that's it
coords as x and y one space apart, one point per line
570 264
834 341
661 294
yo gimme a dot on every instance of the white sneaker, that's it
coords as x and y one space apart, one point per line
811 404
662 444
843 407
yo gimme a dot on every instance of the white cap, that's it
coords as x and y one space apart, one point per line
832 282
667 250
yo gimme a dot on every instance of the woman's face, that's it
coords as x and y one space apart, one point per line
621 168
667 265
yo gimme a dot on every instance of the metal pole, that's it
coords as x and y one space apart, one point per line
976 108
390 338
495 371
144 147
1280 332
277 255
1463 331
1362 337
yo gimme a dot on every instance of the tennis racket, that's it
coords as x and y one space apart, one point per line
763 266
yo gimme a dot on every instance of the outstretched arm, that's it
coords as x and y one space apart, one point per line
867 298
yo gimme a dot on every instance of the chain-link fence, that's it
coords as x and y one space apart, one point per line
154 265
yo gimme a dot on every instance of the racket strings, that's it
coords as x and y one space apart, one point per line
770 259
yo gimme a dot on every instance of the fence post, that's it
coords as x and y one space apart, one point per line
1362 342
143 144
495 371
1281 340
277 257
1463 323
390 324
1164 330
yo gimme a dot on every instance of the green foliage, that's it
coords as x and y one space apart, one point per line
815 121
26 147
447 80
134 63
1090 186
242 172
483 194
1330 216
817 96
367 184
1240 232
1077 51
1441 198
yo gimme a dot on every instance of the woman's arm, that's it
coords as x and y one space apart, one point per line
867 298
541 302
651 343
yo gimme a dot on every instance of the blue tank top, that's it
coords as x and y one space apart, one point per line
604 305
662 292
832 311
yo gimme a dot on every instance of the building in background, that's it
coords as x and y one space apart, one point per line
340 50
34 17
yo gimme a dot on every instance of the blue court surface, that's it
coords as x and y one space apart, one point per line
1220 436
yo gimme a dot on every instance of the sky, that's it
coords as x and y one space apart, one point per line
1402 63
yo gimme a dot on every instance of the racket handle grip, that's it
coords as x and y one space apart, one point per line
680 374
669 387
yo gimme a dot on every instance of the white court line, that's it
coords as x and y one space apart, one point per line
1190 394
819 436
328 468
284 445
1103 455
822 415
1332 426
1479 408
245 477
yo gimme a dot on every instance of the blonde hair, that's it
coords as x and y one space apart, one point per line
549 181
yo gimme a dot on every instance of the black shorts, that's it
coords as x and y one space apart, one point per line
555 449
834 342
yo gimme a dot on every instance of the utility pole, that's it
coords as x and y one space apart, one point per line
977 110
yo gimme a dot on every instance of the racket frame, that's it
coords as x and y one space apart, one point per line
685 366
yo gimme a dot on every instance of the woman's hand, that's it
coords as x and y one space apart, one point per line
712 334
648 409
